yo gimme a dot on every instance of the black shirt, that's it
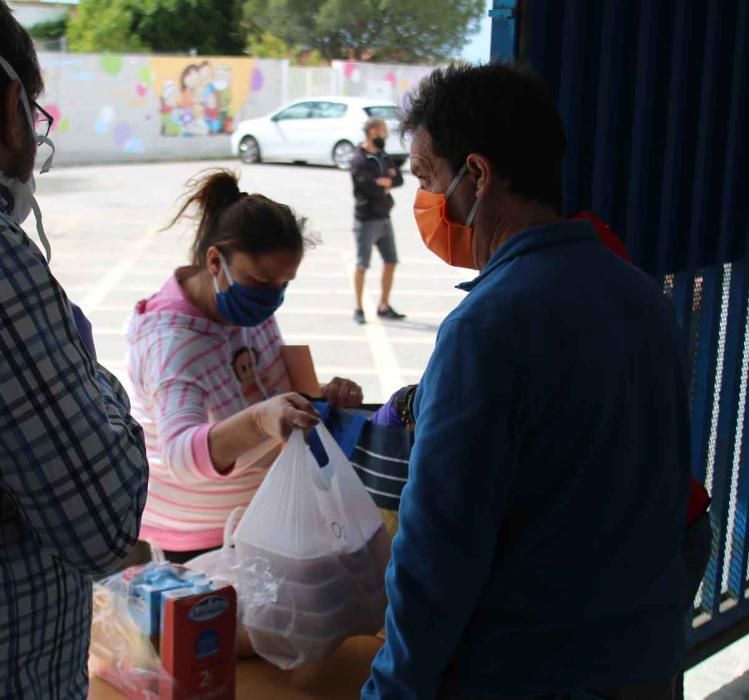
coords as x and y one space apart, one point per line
371 200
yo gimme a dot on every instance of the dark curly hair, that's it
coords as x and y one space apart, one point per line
500 110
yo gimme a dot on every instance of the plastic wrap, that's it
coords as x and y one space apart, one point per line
311 553
123 652
221 565
142 619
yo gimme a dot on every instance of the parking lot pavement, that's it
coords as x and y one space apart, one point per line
108 251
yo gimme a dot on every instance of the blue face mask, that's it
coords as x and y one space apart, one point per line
246 306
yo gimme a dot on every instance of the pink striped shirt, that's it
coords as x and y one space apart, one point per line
186 372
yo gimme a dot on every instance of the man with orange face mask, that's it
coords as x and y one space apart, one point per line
539 554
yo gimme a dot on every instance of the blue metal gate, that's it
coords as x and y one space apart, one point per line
655 99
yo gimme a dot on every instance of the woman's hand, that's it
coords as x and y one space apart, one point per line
279 416
343 393
274 418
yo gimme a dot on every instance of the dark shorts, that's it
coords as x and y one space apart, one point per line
378 232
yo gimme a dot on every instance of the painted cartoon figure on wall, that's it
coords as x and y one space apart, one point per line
222 81
202 105
170 113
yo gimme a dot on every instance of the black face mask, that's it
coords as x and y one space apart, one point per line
379 142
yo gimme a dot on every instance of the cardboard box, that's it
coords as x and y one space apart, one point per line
198 646
144 604
190 653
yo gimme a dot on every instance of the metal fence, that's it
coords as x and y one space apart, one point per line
313 82
655 98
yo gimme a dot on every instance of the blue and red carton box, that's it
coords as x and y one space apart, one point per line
184 617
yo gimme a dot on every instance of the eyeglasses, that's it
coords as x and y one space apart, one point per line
43 121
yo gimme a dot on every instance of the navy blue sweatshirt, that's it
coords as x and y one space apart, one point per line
540 536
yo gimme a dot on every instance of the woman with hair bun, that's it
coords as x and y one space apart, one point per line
207 378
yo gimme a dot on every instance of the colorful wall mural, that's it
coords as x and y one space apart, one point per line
200 98
111 108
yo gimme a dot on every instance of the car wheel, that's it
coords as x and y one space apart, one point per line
249 150
343 152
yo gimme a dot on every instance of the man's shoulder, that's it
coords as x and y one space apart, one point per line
482 314
12 234
360 157
17 250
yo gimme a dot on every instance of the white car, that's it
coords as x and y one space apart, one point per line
324 130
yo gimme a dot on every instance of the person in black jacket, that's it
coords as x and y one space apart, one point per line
374 174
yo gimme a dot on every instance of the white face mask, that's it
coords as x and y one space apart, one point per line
23 196
23 192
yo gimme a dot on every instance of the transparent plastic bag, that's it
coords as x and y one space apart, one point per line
220 565
122 652
311 553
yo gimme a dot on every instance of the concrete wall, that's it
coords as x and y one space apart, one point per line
117 108
111 108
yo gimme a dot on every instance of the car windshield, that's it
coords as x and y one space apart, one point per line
387 112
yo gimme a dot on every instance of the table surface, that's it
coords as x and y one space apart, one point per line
339 677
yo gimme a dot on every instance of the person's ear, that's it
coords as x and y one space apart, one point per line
481 172
213 261
13 120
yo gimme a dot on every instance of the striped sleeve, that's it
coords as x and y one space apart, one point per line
73 459
182 418
181 414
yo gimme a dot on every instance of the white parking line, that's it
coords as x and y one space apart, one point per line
112 278
401 275
289 310
292 310
347 338
400 292
383 355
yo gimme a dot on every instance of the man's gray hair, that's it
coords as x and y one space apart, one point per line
373 123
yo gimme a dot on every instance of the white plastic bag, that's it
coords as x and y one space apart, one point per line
311 551
221 565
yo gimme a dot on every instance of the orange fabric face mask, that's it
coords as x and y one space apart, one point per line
451 241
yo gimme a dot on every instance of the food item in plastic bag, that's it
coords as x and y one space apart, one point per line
115 636
312 551
221 565
158 631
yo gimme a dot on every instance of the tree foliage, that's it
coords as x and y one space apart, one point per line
50 30
268 45
103 25
407 31
210 27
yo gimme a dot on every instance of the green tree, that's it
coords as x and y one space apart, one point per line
210 27
104 25
407 31
50 30
268 46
